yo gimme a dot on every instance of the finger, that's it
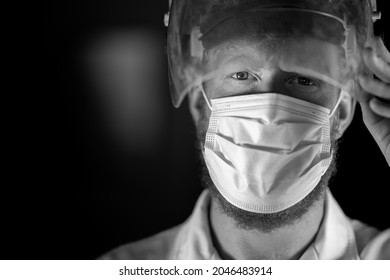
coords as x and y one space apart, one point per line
380 108
377 65
375 87
381 49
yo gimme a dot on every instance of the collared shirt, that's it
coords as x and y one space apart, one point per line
338 238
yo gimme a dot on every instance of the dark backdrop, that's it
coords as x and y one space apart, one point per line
73 194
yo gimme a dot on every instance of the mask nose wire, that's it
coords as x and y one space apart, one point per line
330 115
337 103
206 98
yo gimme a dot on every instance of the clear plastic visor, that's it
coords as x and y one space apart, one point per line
295 52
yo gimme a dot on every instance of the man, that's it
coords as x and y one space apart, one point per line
271 87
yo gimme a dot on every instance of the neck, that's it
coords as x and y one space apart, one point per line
288 242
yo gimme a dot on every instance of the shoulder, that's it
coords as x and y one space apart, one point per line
371 243
159 246
189 240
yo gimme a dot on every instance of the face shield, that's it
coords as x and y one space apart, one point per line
309 50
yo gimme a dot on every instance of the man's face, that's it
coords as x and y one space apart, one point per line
249 67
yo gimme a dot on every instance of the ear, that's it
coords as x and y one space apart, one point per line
195 100
346 112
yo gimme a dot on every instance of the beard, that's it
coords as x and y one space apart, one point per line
258 221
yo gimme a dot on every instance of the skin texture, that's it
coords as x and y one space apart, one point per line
236 239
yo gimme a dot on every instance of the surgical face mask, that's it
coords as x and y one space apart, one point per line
266 152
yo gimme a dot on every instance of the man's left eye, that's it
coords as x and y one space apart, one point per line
303 81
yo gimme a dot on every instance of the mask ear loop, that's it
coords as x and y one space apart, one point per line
205 98
337 103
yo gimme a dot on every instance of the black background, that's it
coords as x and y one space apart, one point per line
64 200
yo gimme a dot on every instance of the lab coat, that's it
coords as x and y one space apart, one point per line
339 237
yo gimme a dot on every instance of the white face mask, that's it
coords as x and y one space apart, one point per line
266 152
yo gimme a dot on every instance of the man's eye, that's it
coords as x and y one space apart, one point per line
303 81
240 76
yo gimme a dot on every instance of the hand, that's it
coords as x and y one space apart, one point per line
376 104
